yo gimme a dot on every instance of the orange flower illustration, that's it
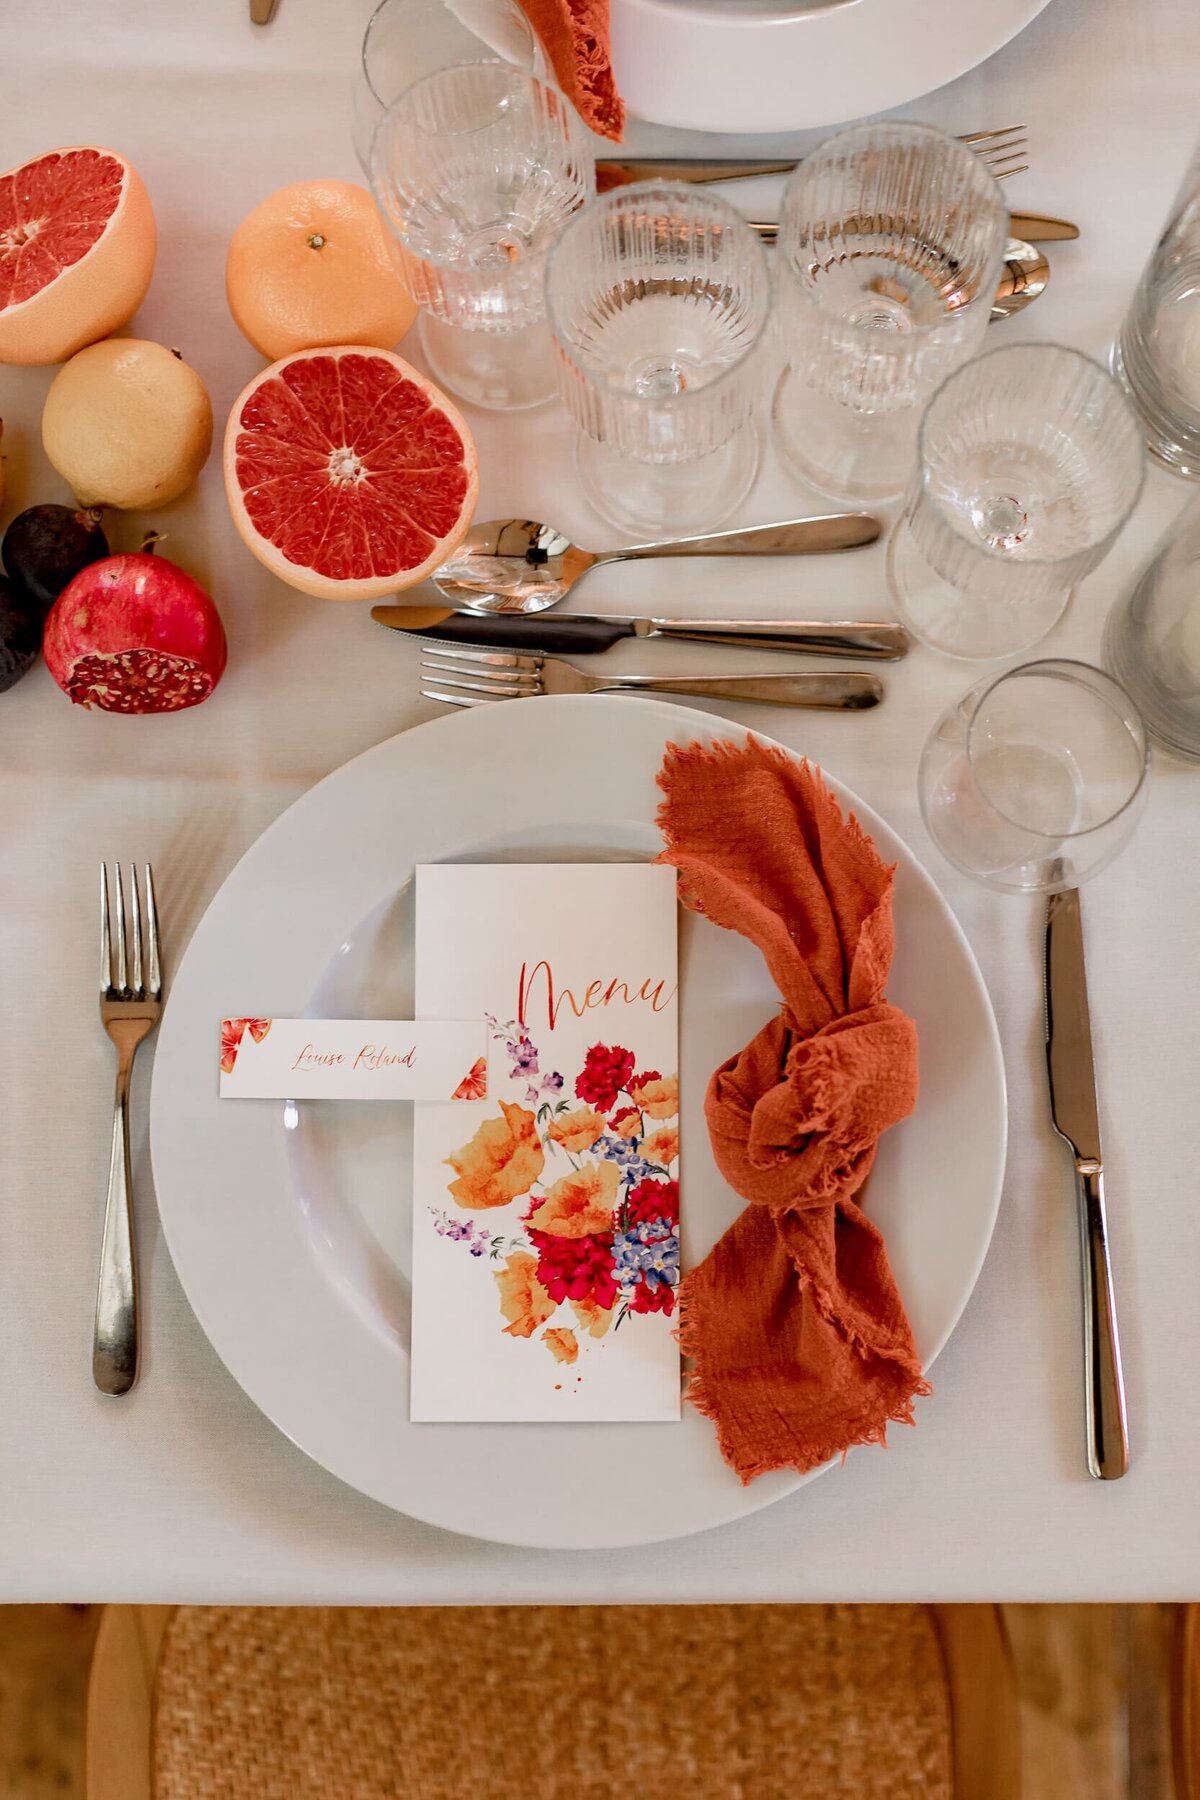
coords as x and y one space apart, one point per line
523 1300
662 1146
579 1204
592 1317
626 1123
657 1095
577 1130
474 1085
232 1033
561 1343
502 1160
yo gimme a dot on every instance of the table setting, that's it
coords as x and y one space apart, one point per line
621 1147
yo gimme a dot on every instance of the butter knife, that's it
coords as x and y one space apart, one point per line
586 633
1076 1116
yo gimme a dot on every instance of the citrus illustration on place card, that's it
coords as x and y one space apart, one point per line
559 1207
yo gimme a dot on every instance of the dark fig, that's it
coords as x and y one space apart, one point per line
20 635
46 546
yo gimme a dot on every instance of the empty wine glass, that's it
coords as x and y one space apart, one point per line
406 40
890 245
476 169
1035 780
658 296
1029 463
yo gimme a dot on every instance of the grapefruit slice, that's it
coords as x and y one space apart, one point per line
349 474
77 243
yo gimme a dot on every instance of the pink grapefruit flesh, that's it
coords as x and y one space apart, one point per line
77 242
349 474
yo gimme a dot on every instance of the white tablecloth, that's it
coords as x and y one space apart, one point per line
183 1491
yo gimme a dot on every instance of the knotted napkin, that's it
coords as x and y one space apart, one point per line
799 1339
575 34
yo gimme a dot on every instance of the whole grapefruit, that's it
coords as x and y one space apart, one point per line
127 423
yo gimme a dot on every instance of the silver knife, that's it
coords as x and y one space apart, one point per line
1076 1116
564 634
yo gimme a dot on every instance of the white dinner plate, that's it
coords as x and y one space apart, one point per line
289 1225
780 65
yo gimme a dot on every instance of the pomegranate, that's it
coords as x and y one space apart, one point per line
135 634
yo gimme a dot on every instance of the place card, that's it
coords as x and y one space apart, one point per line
546 1217
353 1059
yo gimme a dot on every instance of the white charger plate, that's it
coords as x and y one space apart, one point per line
289 1225
775 65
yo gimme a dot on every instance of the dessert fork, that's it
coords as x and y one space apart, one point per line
130 1002
461 676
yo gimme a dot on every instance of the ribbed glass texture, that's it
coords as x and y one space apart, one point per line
1152 640
658 297
406 40
476 169
1157 354
1029 463
890 245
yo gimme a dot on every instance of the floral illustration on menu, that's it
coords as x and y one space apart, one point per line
598 1243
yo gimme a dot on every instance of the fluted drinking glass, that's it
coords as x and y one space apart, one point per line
1157 354
658 298
477 169
1029 463
889 250
406 40
1036 779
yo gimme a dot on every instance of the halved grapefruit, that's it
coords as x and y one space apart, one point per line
349 474
77 243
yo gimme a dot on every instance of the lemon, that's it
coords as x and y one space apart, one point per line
127 423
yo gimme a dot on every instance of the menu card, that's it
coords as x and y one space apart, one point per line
546 1216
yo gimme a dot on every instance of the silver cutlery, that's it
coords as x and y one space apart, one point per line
130 1003
1075 1112
523 566
1002 150
461 676
591 633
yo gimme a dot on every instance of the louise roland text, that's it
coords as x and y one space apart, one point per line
371 1056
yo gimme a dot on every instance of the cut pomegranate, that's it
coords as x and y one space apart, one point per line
135 634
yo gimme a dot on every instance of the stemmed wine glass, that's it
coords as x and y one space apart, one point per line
889 250
406 40
658 297
476 169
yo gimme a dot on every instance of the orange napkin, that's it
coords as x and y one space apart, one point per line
576 38
799 1339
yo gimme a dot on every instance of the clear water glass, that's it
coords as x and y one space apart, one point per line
658 297
1152 640
1029 462
1035 780
889 249
1157 353
406 40
477 169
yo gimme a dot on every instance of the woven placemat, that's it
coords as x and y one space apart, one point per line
551 1703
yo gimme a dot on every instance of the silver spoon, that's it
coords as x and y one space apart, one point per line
1024 274
522 566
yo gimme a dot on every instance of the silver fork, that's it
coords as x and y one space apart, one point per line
1002 150
130 1002
459 675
